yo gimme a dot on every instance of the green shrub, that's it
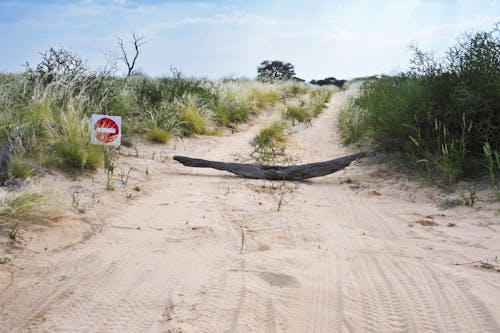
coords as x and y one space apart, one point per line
158 134
441 112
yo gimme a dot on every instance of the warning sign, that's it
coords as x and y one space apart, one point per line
106 130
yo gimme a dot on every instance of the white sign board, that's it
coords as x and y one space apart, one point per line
105 130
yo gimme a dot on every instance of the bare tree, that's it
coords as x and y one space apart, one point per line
137 40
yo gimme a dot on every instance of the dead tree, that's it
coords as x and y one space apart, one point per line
259 171
137 41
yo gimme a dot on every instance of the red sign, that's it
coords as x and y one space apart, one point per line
105 130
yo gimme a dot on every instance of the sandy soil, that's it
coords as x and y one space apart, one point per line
197 250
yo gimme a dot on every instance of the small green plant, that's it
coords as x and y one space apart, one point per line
109 167
76 203
124 177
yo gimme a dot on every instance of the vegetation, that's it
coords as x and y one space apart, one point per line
329 81
275 70
440 114
22 207
271 135
45 112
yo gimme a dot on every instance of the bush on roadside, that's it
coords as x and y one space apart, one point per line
440 113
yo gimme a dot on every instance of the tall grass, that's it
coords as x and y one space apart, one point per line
439 114
351 123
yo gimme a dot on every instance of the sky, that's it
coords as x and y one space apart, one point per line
222 38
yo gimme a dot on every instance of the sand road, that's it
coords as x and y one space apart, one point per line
206 251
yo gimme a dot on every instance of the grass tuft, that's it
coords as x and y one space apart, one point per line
272 135
18 209
21 168
159 135
298 112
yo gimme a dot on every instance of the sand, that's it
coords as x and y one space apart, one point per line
180 249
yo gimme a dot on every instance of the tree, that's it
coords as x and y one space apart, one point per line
328 81
137 41
57 64
275 70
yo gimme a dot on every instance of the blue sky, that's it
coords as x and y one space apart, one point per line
340 38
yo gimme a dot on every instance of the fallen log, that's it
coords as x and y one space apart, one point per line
259 171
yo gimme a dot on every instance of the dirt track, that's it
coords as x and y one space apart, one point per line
345 252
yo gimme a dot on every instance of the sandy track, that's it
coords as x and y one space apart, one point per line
337 256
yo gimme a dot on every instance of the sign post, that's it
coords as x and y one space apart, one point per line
106 130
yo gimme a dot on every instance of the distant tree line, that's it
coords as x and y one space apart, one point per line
280 70
329 81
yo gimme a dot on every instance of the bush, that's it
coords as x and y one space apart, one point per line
441 112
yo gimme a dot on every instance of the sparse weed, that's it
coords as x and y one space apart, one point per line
451 203
470 198
124 177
